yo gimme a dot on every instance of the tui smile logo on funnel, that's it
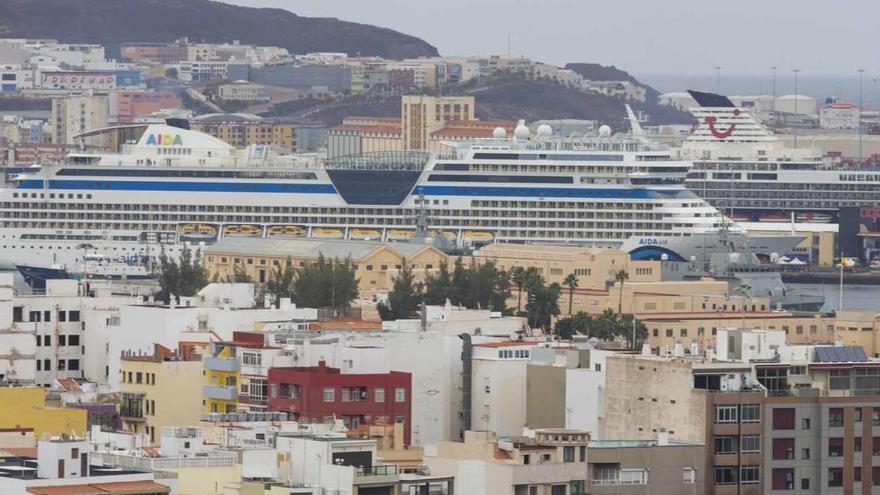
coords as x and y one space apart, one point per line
710 121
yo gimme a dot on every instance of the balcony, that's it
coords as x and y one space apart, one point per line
373 475
220 393
221 364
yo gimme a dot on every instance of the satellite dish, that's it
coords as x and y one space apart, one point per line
604 131
499 133
544 131
521 132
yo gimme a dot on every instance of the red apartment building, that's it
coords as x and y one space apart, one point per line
317 392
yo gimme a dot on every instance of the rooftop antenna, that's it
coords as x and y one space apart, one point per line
634 125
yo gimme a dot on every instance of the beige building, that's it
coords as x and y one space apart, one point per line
860 328
161 390
819 244
376 263
552 460
243 132
635 467
423 115
72 115
650 395
242 91
686 328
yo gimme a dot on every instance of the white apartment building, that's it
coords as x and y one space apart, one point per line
74 114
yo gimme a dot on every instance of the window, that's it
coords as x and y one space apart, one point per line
783 419
576 488
329 395
73 364
750 443
805 483
805 454
379 395
725 414
835 477
399 394
749 475
724 445
783 479
783 448
62 340
74 315
875 416
750 413
857 474
857 445
725 475
875 446
251 359
689 476
805 423
835 447
835 417
73 340
567 454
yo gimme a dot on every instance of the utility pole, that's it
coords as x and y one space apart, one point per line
861 106
718 79
796 98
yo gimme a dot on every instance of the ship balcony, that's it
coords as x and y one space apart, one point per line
218 392
221 364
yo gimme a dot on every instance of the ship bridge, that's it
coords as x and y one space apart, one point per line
377 178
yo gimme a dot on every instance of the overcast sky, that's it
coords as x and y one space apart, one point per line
820 37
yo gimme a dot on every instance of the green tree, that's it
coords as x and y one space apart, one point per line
438 288
571 283
488 286
543 304
518 276
628 323
280 283
325 284
184 277
239 275
620 277
404 298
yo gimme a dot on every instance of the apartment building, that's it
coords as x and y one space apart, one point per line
161 389
315 393
221 370
630 467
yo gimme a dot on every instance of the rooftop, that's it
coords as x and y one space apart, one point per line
617 444
122 488
310 248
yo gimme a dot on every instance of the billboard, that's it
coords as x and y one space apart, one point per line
77 80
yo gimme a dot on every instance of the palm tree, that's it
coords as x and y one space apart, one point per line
571 282
518 275
620 277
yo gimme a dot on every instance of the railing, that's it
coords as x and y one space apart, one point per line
383 470
221 364
210 461
220 393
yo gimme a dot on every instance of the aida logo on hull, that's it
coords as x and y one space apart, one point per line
164 139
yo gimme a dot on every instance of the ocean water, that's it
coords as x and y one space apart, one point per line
854 296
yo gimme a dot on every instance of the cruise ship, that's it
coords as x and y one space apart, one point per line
749 174
167 188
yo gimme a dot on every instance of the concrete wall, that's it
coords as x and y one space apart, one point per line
648 395
25 408
545 396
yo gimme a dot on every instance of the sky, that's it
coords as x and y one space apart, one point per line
685 37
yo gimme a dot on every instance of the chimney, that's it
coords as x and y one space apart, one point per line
646 349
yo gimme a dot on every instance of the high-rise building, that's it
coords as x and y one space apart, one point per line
423 115
72 115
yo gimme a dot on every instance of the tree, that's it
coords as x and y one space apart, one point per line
280 283
571 282
620 277
628 323
518 276
184 277
438 288
325 284
404 298
543 304
239 275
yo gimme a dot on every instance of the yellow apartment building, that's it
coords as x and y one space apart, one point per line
423 115
221 381
164 389
376 263
241 132
859 327
25 407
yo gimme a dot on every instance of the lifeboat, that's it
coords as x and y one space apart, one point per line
400 235
445 233
478 236
364 234
774 217
289 230
328 233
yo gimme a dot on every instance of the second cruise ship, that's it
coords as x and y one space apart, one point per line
168 188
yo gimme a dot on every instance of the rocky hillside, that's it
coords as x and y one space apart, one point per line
112 22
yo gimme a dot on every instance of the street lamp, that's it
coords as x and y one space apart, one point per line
861 105
718 79
796 98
